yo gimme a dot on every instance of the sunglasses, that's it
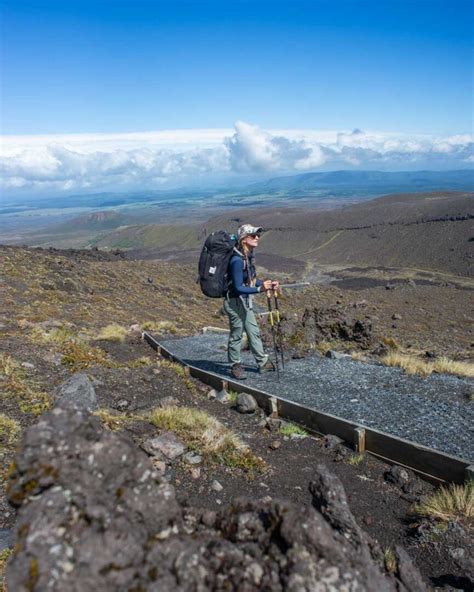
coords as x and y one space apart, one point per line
254 235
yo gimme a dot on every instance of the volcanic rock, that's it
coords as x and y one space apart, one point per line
94 515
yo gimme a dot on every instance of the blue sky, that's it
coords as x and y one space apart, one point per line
135 66
250 74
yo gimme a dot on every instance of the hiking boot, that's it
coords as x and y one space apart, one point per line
238 372
269 366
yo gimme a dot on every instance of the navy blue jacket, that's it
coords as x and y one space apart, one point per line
240 277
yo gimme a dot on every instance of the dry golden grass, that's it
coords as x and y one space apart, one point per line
390 560
159 327
113 332
414 365
10 430
79 356
115 421
391 343
28 395
449 503
356 459
444 365
4 555
205 434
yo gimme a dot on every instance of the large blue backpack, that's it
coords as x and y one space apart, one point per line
214 263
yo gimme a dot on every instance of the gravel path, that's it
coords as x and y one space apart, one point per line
433 411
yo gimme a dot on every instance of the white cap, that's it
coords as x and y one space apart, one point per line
247 229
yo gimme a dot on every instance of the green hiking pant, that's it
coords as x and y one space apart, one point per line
242 318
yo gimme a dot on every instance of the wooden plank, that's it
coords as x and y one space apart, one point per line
417 457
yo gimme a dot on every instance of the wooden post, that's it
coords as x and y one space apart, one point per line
273 407
469 473
359 439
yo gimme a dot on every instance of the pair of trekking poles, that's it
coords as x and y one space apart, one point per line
275 324
275 321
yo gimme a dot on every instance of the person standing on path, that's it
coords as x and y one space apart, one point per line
238 302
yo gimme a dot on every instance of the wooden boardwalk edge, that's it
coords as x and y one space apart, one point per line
428 463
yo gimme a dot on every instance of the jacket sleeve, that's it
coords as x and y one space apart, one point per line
237 278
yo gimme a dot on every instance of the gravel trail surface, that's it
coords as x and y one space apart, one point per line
434 411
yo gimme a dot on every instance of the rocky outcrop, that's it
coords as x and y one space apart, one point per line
94 515
334 322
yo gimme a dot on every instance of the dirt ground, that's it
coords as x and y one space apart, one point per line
35 305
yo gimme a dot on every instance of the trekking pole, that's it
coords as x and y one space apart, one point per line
272 324
279 331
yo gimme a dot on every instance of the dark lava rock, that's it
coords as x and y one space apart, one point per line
398 476
336 322
77 392
335 355
245 403
94 515
380 350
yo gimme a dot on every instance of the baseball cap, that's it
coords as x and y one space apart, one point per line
247 229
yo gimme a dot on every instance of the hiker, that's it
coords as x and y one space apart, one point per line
238 302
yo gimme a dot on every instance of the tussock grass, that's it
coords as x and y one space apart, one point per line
140 362
79 356
291 429
390 561
355 459
113 332
57 336
414 365
28 395
10 430
208 436
391 343
449 503
447 366
4 555
115 421
159 327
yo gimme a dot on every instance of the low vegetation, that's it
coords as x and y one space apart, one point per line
291 429
9 430
207 436
159 327
78 355
4 555
115 421
390 561
113 332
449 503
29 396
356 459
441 365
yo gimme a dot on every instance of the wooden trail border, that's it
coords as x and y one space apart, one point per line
427 462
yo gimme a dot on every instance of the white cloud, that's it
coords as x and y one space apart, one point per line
148 159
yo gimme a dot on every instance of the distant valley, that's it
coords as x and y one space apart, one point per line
317 234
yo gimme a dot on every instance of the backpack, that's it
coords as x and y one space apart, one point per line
214 263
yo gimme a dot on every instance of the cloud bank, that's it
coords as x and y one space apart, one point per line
152 159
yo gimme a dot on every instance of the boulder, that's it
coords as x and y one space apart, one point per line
167 444
397 475
95 515
245 403
330 441
77 392
335 355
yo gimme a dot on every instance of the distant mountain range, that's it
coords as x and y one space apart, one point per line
370 181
